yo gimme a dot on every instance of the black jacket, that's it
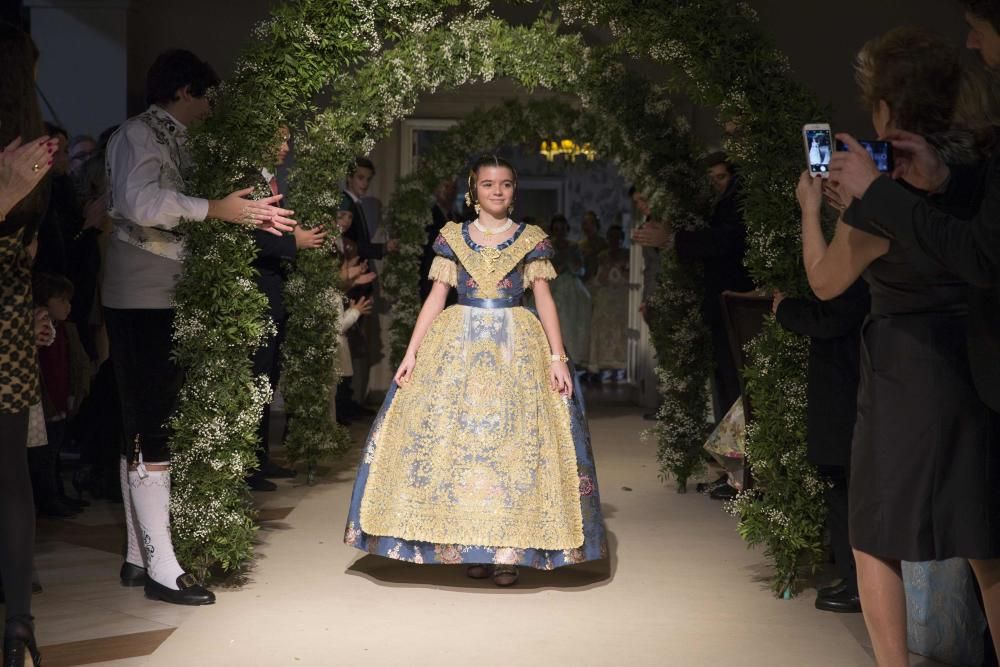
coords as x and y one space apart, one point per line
834 331
970 249
721 247
359 233
273 252
439 220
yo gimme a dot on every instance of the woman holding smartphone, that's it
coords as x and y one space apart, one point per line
922 478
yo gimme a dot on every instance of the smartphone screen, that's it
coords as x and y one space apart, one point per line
819 145
881 152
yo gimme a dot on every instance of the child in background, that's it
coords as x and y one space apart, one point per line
353 272
65 378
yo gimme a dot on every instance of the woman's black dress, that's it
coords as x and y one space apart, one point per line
925 470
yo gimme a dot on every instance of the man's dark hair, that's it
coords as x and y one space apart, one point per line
45 286
361 162
988 10
174 70
717 158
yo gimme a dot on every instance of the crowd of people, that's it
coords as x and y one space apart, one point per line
904 359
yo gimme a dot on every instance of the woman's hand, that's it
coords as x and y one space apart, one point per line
810 193
364 279
853 170
560 378
45 331
309 238
835 198
917 162
653 235
261 213
21 168
362 305
355 268
405 372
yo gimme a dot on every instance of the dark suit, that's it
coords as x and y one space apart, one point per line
361 336
970 249
273 255
440 219
834 331
720 248
360 234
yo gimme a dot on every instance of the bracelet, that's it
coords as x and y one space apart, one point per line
559 357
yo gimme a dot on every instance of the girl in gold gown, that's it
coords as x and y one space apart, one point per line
481 454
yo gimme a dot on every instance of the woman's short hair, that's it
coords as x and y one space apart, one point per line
175 69
988 10
916 72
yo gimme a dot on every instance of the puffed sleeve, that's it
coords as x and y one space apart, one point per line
538 264
444 268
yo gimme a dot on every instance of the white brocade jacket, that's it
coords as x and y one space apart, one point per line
145 162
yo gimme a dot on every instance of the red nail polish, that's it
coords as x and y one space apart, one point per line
51 161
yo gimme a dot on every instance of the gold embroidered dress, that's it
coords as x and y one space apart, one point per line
478 460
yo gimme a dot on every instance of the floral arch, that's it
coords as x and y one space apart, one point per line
718 57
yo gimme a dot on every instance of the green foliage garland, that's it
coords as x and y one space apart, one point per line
719 56
220 318
635 124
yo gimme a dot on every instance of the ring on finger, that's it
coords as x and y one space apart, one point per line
36 167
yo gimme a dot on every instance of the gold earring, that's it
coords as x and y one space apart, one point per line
468 199
510 210
477 208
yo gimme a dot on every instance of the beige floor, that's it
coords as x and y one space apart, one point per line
681 589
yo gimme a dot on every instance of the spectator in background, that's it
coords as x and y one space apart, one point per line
146 162
442 212
22 168
364 337
720 247
274 256
573 301
65 375
834 331
81 148
592 245
609 321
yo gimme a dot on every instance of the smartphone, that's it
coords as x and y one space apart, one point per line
819 147
881 152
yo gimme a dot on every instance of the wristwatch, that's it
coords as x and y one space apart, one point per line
559 357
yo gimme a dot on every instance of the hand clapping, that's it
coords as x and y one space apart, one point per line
261 213
652 234
21 169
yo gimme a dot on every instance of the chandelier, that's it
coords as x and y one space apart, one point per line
571 149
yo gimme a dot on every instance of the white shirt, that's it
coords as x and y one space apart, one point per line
145 159
138 163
